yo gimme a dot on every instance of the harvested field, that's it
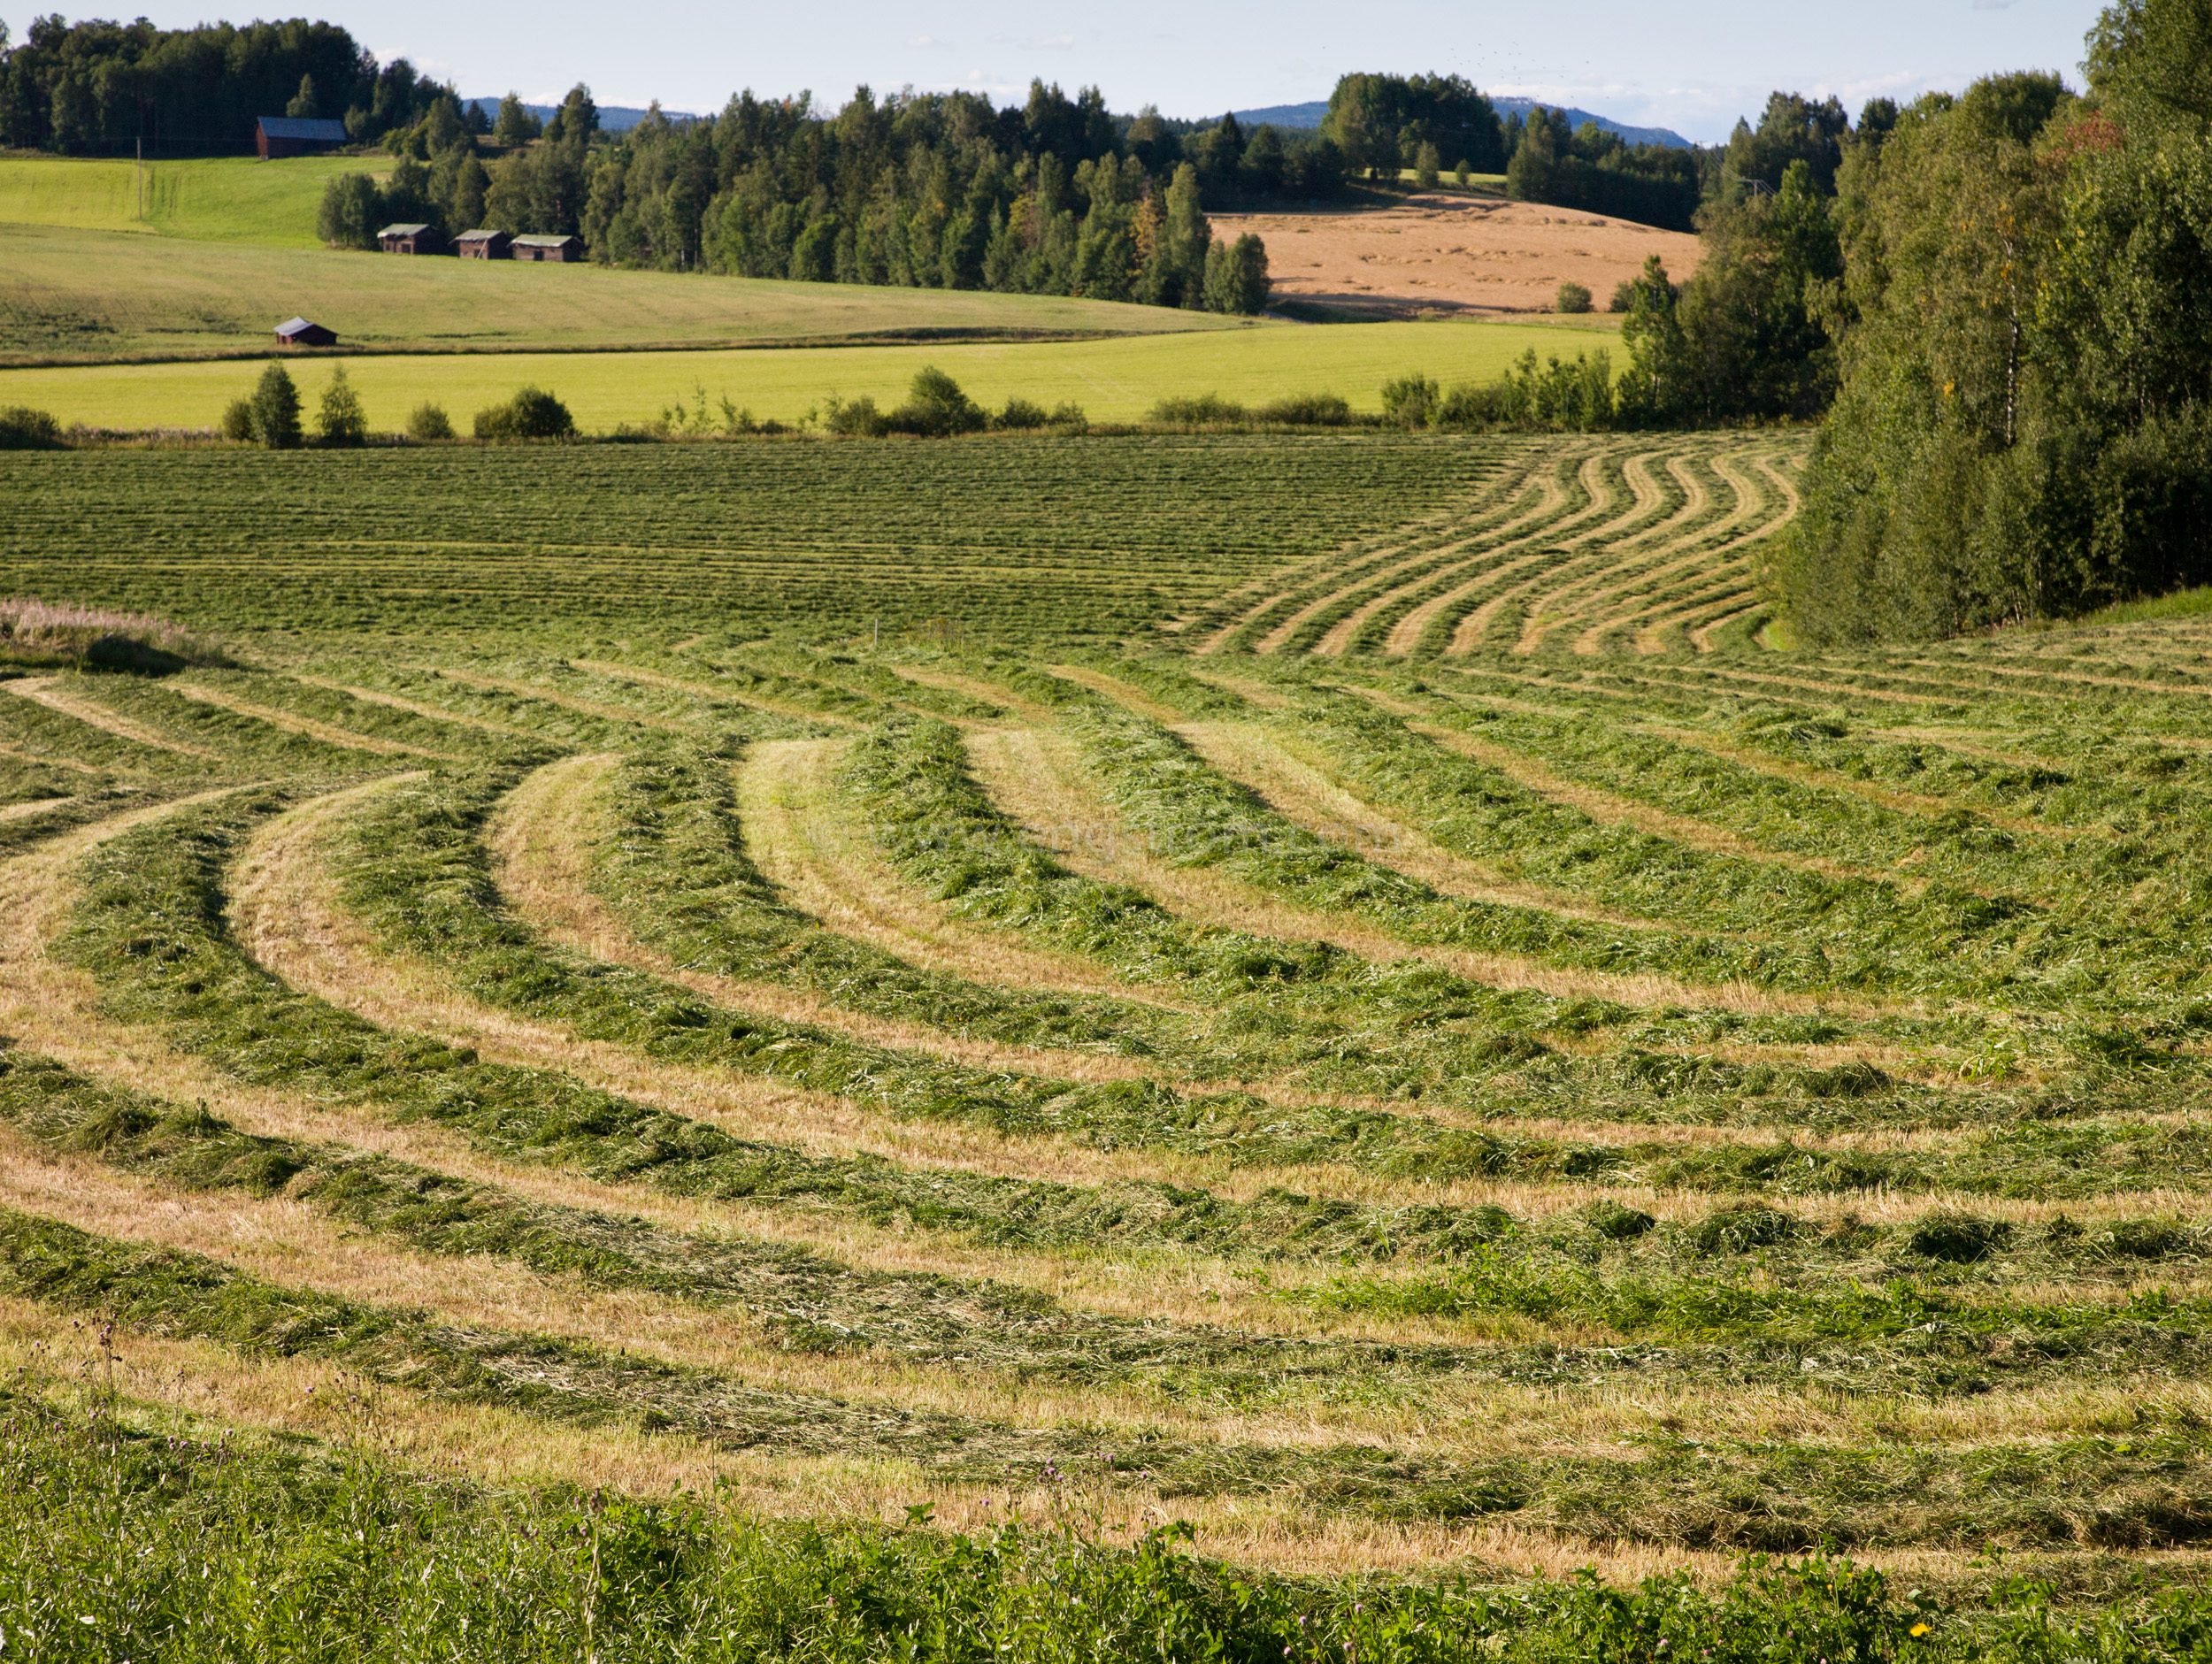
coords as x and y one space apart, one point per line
1331 996
1448 255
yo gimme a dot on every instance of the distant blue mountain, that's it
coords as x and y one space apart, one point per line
612 117
1309 115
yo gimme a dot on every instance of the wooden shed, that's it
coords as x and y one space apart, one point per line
275 136
559 249
483 245
299 333
411 240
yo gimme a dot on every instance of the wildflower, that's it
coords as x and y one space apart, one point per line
1920 1629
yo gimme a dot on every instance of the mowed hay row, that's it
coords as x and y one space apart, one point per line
795 967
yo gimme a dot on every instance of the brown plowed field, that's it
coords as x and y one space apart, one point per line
1444 254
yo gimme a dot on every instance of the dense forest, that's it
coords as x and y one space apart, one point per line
105 88
2021 320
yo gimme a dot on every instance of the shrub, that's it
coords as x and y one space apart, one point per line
341 421
23 428
1306 410
1207 409
1624 296
237 421
1021 414
273 411
935 407
1068 416
1471 405
857 418
1426 165
1462 175
1411 400
533 413
428 424
1573 298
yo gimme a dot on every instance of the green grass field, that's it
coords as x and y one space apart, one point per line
1129 1047
221 199
71 295
1115 380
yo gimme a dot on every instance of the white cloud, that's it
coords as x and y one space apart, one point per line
927 43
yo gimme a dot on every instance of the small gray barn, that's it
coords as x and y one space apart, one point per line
411 240
298 332
275 136
484 245
564 249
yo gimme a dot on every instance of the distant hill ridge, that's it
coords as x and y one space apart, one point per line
1309 115
612 117
622 117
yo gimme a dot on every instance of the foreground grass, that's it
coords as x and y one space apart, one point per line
126 1534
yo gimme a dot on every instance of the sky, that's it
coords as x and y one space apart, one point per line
1694 66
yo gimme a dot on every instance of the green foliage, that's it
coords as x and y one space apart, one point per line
23 428
236 423
341 421
1236 276
1601 172
273 411
1745 336
352 210
533 413
2020 431
1572 298
936 407
1411 400
1381 122
428 424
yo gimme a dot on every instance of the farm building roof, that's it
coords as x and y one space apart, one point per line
403 231
298 128
295 326
480 236
543 242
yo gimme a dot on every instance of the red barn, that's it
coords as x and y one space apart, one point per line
275 136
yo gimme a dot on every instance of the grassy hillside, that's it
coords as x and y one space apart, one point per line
1115 380
224 199
77 295
1324 994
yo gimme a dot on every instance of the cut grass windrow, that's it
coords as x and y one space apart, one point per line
1772 1496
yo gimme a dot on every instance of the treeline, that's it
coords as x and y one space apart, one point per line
96 88
925 191
2023 427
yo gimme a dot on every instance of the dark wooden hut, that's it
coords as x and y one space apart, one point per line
411 240
564 249
483 245
299 333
